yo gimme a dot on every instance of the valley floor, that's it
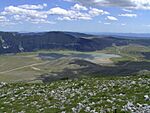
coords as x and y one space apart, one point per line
32 65
51 65
130 94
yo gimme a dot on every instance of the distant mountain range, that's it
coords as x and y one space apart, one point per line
13 42
126 35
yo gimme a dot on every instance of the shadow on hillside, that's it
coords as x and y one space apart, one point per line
146 55
91 69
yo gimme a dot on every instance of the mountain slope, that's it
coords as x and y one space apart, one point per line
13 42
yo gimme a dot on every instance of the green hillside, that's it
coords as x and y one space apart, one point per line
85 95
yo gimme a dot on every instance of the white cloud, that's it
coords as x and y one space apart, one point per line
18 17
28 13
58 11
127 10
107 23
27 6
73 14
132 4
112 18
32 20
12 10
64 18
141 4
123 24
128 15
31 13
3 19
84 17
69 14
79 7
40 21
97 12
5 22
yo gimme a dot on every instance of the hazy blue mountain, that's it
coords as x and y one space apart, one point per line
125 35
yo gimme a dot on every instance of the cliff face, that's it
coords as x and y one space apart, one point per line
12 42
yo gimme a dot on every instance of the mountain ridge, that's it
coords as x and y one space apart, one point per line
14 42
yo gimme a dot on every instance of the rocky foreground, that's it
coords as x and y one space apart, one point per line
87 95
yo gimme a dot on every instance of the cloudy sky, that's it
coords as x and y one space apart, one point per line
131 16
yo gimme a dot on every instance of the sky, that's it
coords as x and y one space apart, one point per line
117 16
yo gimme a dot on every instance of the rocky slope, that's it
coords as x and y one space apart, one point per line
86 95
